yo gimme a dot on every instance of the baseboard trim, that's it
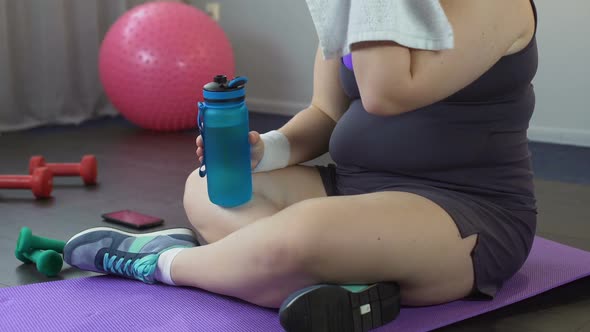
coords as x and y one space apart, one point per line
286 108
559 136
567 136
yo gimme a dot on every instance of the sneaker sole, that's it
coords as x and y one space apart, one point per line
333 308
182 231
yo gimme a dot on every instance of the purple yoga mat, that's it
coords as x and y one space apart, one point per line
112 304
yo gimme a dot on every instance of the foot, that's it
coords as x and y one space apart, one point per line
340 308
111 251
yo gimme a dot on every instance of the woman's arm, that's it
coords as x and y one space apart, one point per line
309 131
393 79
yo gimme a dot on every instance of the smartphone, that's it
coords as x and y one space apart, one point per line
132 219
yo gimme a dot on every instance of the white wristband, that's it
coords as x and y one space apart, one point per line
277 152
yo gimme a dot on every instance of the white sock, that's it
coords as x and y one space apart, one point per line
165 265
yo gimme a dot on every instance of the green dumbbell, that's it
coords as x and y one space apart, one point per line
44 252
28 242
48 262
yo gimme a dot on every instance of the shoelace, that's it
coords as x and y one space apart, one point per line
142 269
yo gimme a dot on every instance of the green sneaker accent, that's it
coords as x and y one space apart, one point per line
139 243
355 288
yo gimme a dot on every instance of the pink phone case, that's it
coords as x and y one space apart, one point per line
132 219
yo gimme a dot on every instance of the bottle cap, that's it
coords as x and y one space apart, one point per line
220 90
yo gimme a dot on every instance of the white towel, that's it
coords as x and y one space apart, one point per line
418 24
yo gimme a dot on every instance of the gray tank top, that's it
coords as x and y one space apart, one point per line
474 141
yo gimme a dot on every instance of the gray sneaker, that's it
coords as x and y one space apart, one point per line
112 251
341 308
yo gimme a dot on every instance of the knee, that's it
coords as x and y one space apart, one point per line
291 250
286 252
281 253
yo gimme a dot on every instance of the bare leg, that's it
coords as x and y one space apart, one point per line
389 236
273 191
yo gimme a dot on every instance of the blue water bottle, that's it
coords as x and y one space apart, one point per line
224 126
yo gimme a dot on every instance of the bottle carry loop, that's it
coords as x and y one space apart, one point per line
201 122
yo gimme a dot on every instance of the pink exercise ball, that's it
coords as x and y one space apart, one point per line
156 58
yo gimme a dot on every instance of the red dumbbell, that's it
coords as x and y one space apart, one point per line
40 182
86 169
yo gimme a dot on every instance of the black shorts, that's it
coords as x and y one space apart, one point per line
505 237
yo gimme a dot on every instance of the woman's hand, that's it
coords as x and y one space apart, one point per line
256 148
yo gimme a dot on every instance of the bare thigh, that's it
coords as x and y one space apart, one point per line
386 236
273 191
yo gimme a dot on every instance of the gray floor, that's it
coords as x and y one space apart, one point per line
146 172
563 163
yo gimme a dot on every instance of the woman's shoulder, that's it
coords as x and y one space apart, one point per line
514 19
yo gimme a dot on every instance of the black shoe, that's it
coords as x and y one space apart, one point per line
328 308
